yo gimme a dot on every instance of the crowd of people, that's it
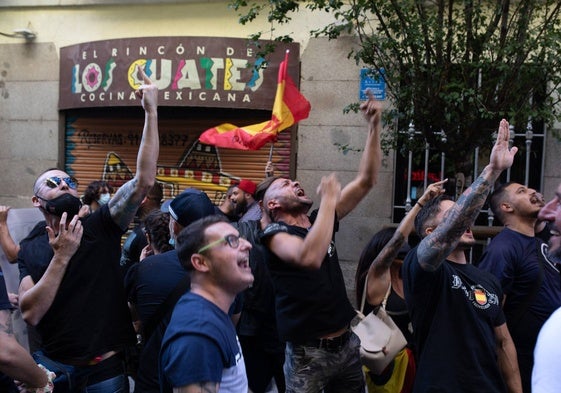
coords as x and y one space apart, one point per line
249 295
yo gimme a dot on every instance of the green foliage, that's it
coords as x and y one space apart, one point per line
457 66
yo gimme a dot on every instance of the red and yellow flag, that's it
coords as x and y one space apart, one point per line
290 107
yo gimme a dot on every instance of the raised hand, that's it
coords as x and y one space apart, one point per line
67 241
147 92
372 110
433 190
329 187
4 213
502 156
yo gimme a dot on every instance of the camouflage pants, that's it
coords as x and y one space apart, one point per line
313 370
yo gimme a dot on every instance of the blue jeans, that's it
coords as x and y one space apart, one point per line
118 384
313 370
107 376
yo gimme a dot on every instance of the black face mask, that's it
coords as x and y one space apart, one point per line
64 203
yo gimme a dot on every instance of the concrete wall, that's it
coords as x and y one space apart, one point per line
29 119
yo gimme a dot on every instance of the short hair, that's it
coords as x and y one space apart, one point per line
264 186
193 237
91 193
156 224
496 198
427 216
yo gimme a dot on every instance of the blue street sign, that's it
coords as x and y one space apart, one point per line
372 79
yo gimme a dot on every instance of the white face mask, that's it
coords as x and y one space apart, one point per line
103 199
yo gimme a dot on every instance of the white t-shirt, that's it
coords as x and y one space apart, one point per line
546 375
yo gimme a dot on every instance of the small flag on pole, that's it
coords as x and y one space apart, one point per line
290 107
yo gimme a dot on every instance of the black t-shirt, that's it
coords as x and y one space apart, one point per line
309 303
89 314
150 282
148 285
454 311
258 313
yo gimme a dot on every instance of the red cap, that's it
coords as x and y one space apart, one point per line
247 186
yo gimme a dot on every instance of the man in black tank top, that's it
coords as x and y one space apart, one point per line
313 310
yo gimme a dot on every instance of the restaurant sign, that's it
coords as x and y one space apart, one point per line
189 71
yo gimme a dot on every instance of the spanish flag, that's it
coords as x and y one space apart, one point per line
289 107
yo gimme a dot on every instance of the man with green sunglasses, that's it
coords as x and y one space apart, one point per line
200 328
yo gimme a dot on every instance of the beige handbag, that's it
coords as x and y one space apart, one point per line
380 338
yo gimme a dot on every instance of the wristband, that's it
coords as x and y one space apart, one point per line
420 204
49 387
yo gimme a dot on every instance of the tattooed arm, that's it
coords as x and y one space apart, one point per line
15 361
379 271
124 204
443 239
201 387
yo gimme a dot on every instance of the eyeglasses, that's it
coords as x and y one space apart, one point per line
232 240
54 182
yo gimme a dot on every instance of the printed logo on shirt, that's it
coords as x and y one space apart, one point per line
544 248
239 355
476 294
480 296
331 248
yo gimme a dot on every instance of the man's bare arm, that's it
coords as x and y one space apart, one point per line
15 361
370 161
508 362
434 249
127 199
379 271
7 243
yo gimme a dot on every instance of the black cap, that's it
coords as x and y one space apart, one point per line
189 206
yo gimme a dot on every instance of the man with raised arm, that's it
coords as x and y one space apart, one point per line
72 291
462 341
313 310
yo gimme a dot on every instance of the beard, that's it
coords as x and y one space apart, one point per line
295 205
240 208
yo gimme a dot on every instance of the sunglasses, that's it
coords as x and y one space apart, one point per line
232 240
54 182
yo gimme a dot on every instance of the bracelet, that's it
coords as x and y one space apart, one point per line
49 387
420 204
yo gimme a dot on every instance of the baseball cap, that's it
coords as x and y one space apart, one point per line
189 206
165 205
247 186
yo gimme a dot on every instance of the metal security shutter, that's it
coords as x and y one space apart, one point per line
103 145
